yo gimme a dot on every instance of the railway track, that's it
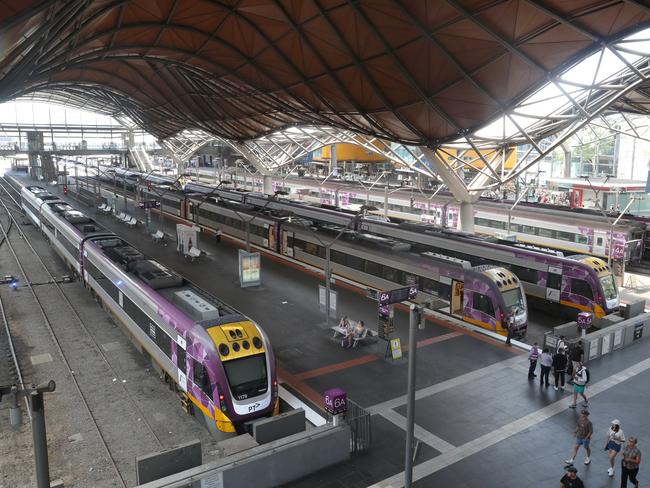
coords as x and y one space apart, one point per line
68 331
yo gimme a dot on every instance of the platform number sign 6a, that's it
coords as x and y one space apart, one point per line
384 297
336 401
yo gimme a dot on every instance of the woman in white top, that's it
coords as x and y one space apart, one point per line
615 439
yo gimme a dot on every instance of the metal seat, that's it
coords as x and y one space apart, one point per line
193 253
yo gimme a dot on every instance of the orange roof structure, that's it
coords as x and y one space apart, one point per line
418 72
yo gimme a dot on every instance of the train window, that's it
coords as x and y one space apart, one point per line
373 268
564 236
525 274
339 257
428 286
444 290
582 288
201 378
311 248
546 233
529 229
482 222
554 281
495 224
392 274
136 314
599 241
356 262
180 358
164 342
580 239
483 304
409 279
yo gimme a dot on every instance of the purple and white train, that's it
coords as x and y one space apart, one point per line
220 360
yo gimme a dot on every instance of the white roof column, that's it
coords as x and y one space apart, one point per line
268 185
466 221
457 187
455 184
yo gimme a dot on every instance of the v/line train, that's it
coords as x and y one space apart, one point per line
573 230
482 295
220 360
569 230
575 283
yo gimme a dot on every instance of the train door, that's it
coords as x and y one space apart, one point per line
270 242
456 305
187 209
287 243
600 242
554 284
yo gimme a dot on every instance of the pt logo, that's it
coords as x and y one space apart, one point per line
253 407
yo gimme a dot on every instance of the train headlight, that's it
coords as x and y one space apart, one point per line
257 342
221 398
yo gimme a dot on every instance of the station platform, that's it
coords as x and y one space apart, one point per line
479 420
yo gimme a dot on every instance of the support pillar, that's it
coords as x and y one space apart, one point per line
268 185
333 160
35 146
567 162
466 221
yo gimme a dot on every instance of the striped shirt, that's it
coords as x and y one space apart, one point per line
534 354
631 452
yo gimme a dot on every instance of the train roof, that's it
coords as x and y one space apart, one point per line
199 306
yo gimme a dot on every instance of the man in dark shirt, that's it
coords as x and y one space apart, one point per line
576 357
571 480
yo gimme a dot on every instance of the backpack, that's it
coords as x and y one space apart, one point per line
583 374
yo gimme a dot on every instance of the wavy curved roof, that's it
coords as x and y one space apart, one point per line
411 71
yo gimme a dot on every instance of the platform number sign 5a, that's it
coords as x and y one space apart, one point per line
398 295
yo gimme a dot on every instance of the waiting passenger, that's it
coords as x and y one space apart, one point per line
354 333
546 361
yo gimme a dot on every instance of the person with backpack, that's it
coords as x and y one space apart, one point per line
559 368
532 358
576 357
580 380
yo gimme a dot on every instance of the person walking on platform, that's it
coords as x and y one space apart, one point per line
559 368
571 480
630 463
584 431
615 440
561 344
510 324
545 363
580 380
532 358
217 235
576 357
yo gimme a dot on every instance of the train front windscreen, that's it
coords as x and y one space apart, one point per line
609 287
247 376
514 300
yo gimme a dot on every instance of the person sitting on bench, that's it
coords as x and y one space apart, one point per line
355 332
